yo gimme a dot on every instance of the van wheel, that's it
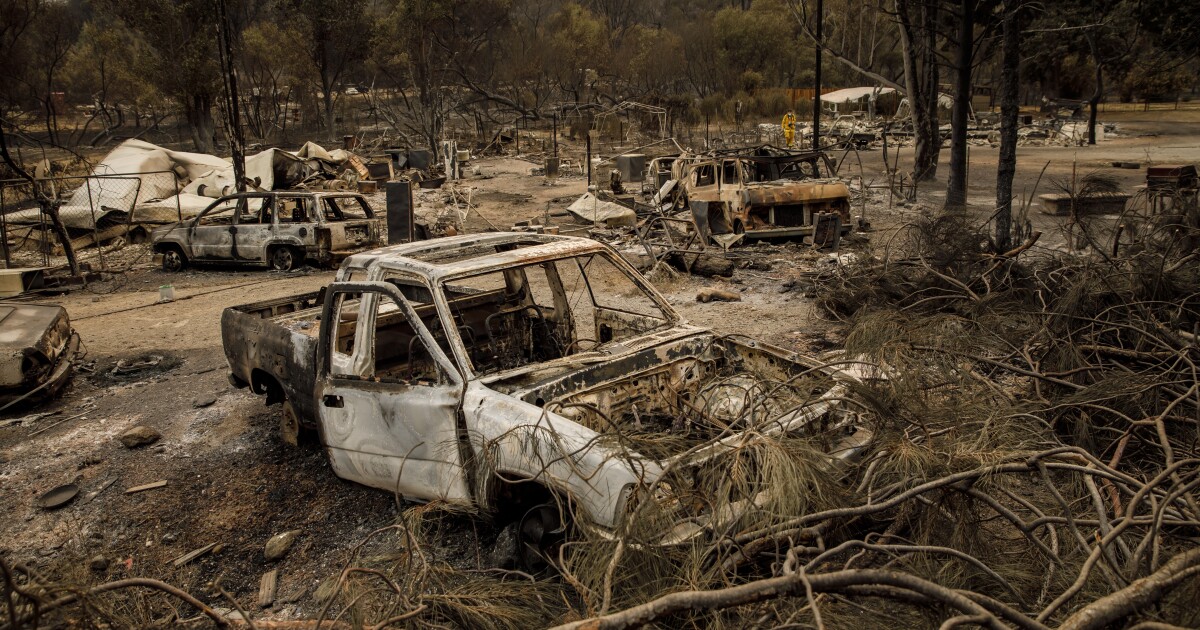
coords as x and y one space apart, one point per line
173 260
289 424
283 259
540 534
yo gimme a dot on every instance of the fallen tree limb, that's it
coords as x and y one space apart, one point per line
1136 596
772 588
157 585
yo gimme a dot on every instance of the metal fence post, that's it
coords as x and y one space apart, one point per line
87 183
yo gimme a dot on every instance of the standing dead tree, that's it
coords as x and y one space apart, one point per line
1010 83
915 25
956 189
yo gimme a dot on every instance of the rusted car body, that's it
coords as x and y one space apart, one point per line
276 229
761 193
484 370
37 348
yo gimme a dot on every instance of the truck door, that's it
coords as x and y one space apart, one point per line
388 398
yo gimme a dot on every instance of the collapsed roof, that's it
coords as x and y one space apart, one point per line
140 182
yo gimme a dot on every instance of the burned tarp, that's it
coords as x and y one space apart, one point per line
273 169
133 173
592 210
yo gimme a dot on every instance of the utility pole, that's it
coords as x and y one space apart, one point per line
233 119
816 131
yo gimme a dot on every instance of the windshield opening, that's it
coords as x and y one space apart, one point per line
549 310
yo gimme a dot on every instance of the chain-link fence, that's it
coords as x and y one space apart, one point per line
94 209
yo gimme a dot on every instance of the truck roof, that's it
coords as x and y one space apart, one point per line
470 253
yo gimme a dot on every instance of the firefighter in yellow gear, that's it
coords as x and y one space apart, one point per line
789 128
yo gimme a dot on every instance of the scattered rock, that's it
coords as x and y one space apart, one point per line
98 564
205 400
279 544
504 552
139 436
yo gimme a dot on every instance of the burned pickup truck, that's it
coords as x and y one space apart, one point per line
276 229
761 193
504 370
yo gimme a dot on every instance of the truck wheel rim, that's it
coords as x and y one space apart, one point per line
173 260
282 259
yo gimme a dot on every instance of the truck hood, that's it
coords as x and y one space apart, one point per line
669 408
684 382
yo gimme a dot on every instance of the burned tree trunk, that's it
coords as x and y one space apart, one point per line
50 208
327 109
707 265
921 83
1006 168
956 191
198 111
48 204
1095 100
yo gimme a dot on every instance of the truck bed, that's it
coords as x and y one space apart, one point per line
274 343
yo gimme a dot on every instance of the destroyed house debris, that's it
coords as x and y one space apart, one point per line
37 352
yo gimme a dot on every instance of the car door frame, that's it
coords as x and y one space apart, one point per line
210 251
382 455
251 240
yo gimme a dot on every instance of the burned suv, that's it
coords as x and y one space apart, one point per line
764 192
277 229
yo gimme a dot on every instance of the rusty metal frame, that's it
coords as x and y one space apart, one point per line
692 246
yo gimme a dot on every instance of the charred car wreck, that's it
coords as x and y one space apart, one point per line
759 193
276 229
513 372
37 351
